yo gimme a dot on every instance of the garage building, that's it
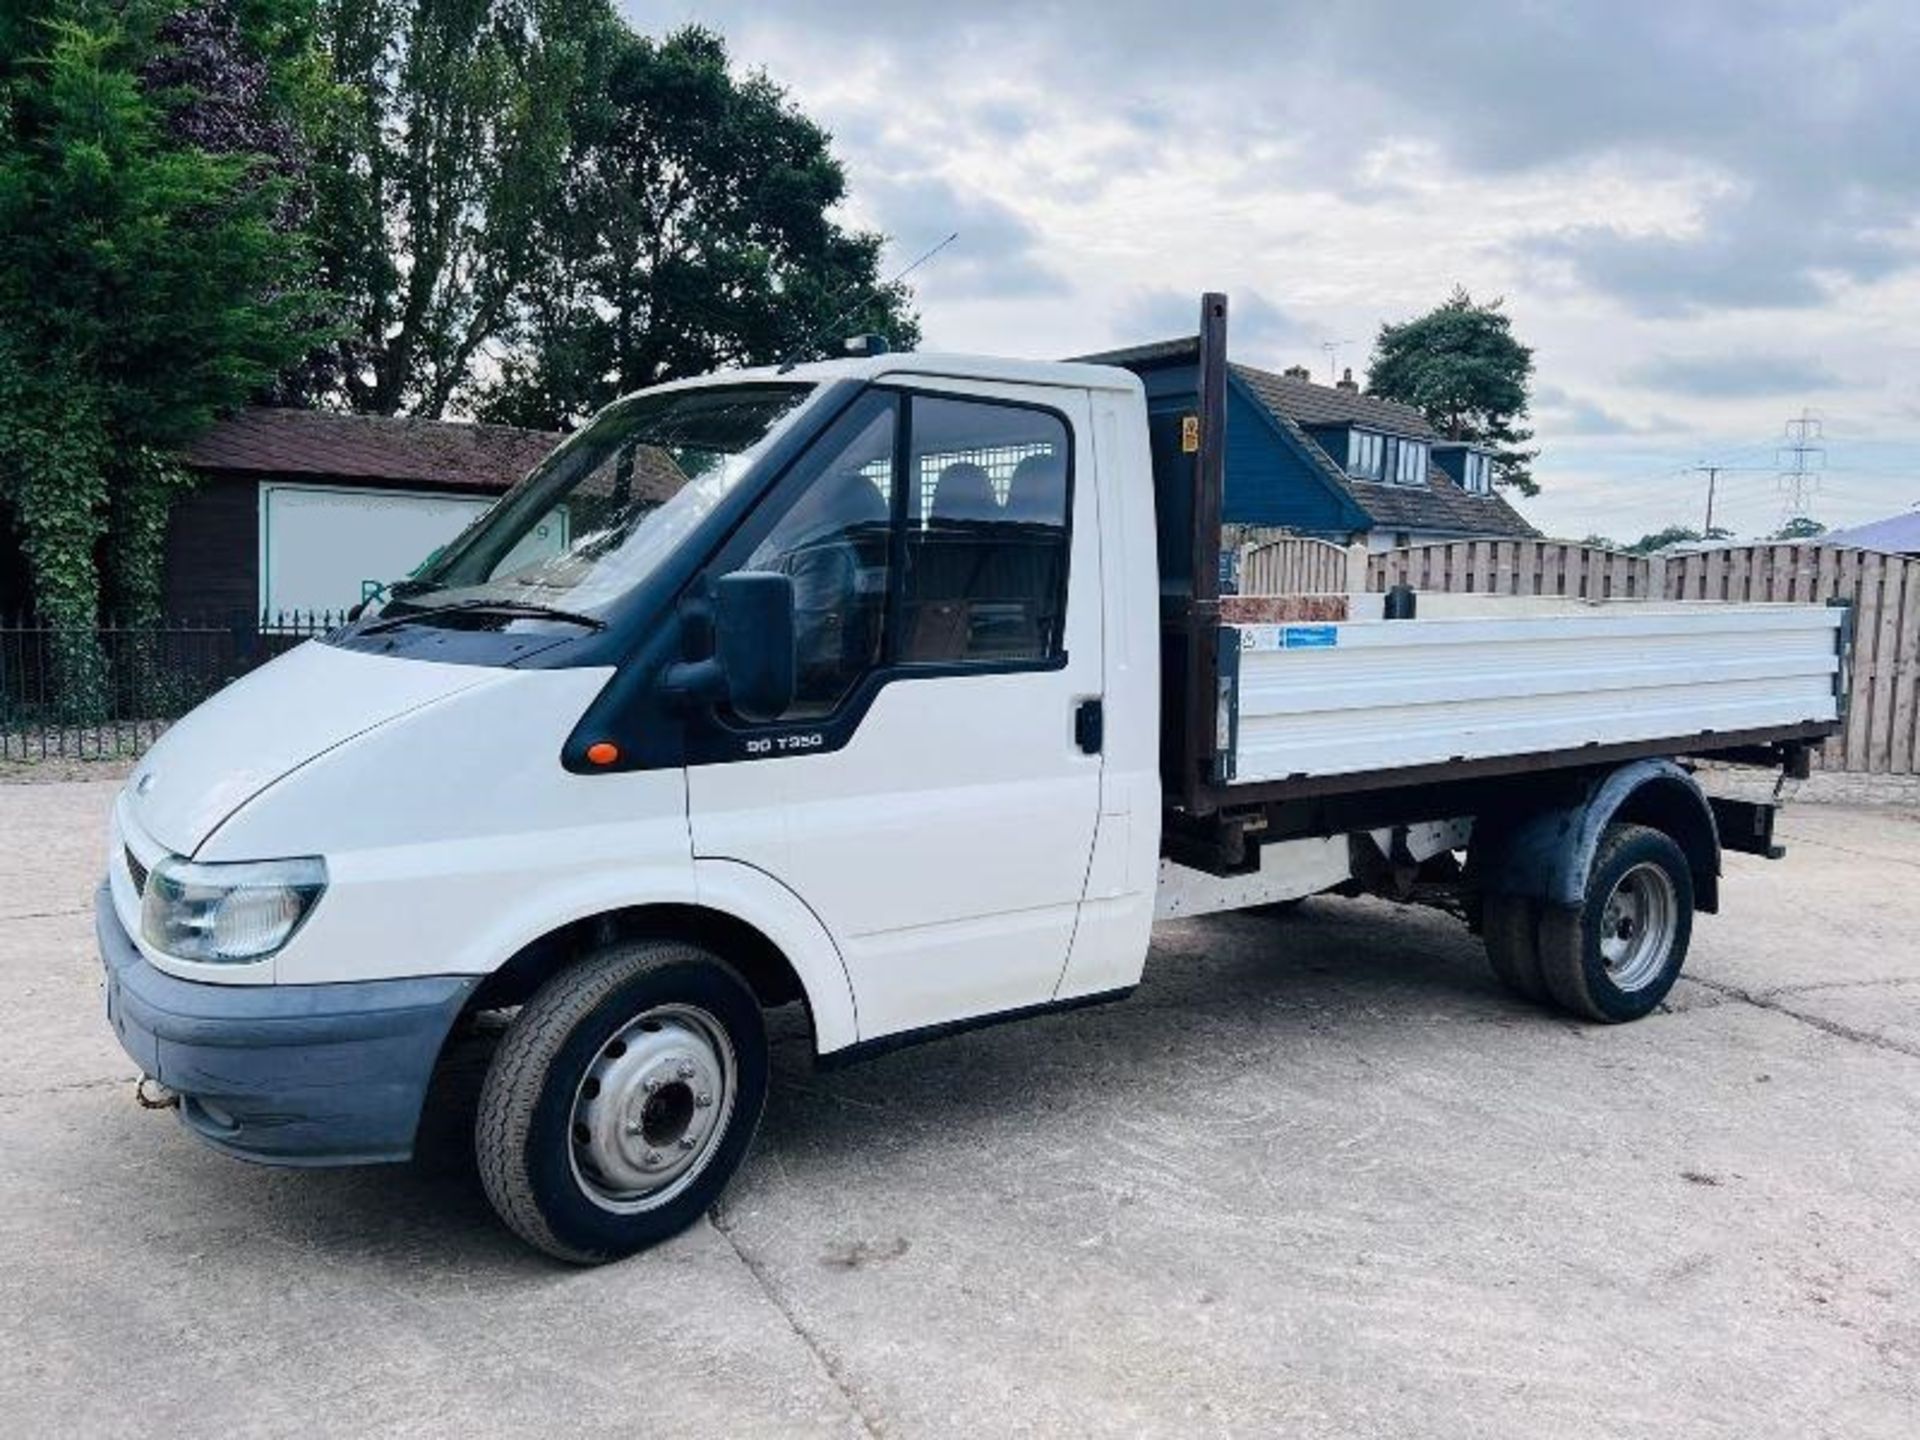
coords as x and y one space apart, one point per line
301 510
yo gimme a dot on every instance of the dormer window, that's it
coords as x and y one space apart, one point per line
1366 454
1410 464
1478 478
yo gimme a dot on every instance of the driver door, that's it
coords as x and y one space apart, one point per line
925 795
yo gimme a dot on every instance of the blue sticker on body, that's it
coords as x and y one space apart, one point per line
1310 637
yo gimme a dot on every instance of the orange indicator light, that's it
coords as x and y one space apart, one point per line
603 752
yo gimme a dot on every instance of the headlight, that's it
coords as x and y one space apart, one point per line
222 914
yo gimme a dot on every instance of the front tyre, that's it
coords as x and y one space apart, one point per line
1617 956
622 1100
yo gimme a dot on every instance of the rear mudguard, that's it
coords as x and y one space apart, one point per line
1544 853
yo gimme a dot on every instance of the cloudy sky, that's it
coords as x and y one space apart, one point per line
1702 215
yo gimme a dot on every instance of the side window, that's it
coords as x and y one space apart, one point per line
833 542
986 543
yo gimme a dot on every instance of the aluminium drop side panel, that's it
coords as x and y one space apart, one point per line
1346 699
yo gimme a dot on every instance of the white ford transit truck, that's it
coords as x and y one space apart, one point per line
900 687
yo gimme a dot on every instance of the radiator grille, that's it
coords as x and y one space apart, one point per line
138 872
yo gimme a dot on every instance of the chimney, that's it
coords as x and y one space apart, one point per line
1297 372
1346 381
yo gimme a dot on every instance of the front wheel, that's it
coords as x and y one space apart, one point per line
1616 957
622 1100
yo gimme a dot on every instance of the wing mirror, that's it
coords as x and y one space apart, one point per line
752 667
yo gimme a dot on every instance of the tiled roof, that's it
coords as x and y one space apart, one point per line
1311 404
370 448
1439 505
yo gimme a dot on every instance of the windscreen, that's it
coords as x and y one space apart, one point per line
598 515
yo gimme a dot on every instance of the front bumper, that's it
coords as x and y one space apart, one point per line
284 1074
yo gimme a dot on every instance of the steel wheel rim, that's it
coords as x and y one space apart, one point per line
1637 926
652 1108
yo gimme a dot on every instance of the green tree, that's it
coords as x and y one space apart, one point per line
145 284
439 155
1799 528
1461 367
693 232
1660 539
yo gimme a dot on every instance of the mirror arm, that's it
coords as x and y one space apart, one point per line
689 684
695 684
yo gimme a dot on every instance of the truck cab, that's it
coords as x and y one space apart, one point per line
845 675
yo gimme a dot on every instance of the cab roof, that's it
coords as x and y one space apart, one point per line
959 367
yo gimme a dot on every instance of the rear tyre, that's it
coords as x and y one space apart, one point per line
622 1100
1510 928
1616 957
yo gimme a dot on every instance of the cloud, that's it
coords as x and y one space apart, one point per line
998 253
1736 376
1562 415
1256 323
1742 259
1715 190
1792 124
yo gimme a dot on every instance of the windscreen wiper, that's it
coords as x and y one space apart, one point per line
526 608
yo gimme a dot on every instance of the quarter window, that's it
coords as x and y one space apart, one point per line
986 545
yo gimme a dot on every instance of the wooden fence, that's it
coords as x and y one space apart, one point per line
1294 566
1516 567
1883 698
1884 591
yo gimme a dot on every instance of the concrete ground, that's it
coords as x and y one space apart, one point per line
1319 1176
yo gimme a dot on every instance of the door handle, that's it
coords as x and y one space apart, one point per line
1089 725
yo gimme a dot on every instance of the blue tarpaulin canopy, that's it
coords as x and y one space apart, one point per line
1896 535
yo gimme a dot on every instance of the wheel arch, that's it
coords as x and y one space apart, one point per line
1545 852
781 957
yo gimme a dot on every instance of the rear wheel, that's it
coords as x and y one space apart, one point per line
621 1101
1616 957
1510 929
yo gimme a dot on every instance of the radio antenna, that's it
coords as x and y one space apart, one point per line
807 341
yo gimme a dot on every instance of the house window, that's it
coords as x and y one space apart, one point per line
1410 464
1365 452
1477 473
